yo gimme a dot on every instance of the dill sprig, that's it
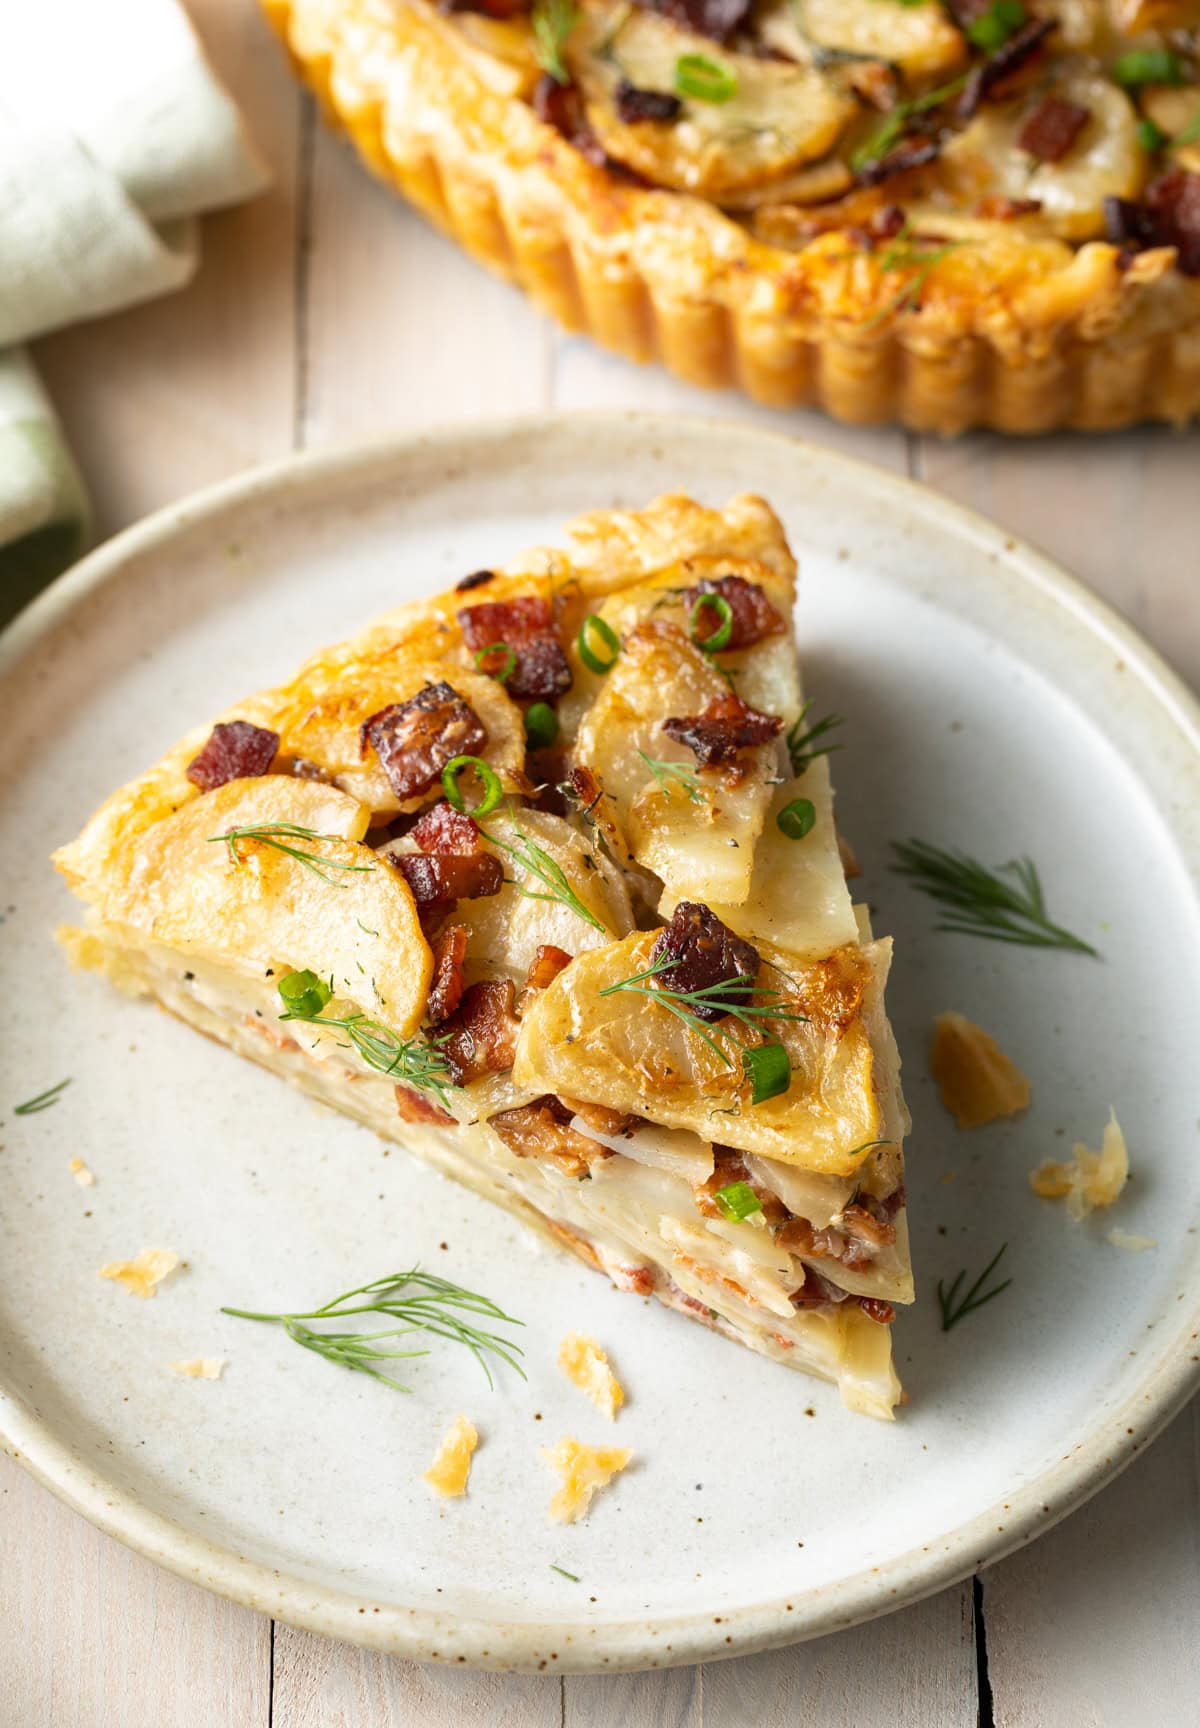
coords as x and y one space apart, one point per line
735 997
801 740
412 1061
980 902
436 1306
277 835
973 1299
672 774
905 253
553 21
538 862
564 1573
43 1101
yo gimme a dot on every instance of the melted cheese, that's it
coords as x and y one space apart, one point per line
448 1473
142 1276
976 1081
584 1471
585 1365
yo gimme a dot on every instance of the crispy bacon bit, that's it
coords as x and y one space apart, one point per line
526 625
547 770
640 1280
799 1238
483 1032
445 992
753 615
876 1309
726 726
1052 128
1014 53
235 750
911 153
600 1117
703 952
415 1107
818 1292
634 104
1168 215
449 875
442 828
414 740
719 19
543 1130
893 1202
996 209
546 965
862 1220
562 106
477 579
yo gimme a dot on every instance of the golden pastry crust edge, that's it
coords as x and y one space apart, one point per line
1039 339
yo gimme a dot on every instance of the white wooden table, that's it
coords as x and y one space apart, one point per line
326 311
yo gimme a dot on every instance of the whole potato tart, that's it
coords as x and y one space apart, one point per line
970 213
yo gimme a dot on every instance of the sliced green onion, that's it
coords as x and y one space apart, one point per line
1150 136
737 1200
796 819
704 80
541 725
508 666
605 634
1147 66
769 1070
492 791
718 638
303 994
993 29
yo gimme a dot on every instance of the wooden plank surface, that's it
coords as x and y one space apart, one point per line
328 311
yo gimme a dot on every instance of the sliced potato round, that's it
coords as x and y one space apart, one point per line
628 1051
324 726
178 884
1105 160
919 39
780 115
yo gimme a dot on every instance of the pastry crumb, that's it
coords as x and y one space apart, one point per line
199 1368
81 1173
586 1365
142 1276
976 1081
584 1471
1132 1244
448 1473
1087 1179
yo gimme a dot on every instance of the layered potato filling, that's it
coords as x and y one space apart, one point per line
929 128
585 944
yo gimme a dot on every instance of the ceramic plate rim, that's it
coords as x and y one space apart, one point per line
525 1645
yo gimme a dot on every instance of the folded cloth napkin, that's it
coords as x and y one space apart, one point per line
114 136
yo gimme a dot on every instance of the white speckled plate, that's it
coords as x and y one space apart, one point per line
991 703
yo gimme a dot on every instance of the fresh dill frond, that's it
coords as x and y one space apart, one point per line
974 1298
553 21
801 740
43 1101
672 774
562 1571
537 862
410 1061
980 902
435 1306
905 253
741 999
277 835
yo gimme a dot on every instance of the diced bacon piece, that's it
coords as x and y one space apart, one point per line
638 1280
728 1167
526 625
543 1130
799 1237
600 1117
442 828
414 740
860 1221
634 104
449 875
235 750
912 153
1007 59
876 1309
1052 128
546 965
752 615
703 952
719 19
445 992
725 726
562 106
413 1106
483 1032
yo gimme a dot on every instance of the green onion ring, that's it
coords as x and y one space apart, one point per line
719 638
769 1070
492 790
704 80
509 666
737 1200
596 626
797 818
303 994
